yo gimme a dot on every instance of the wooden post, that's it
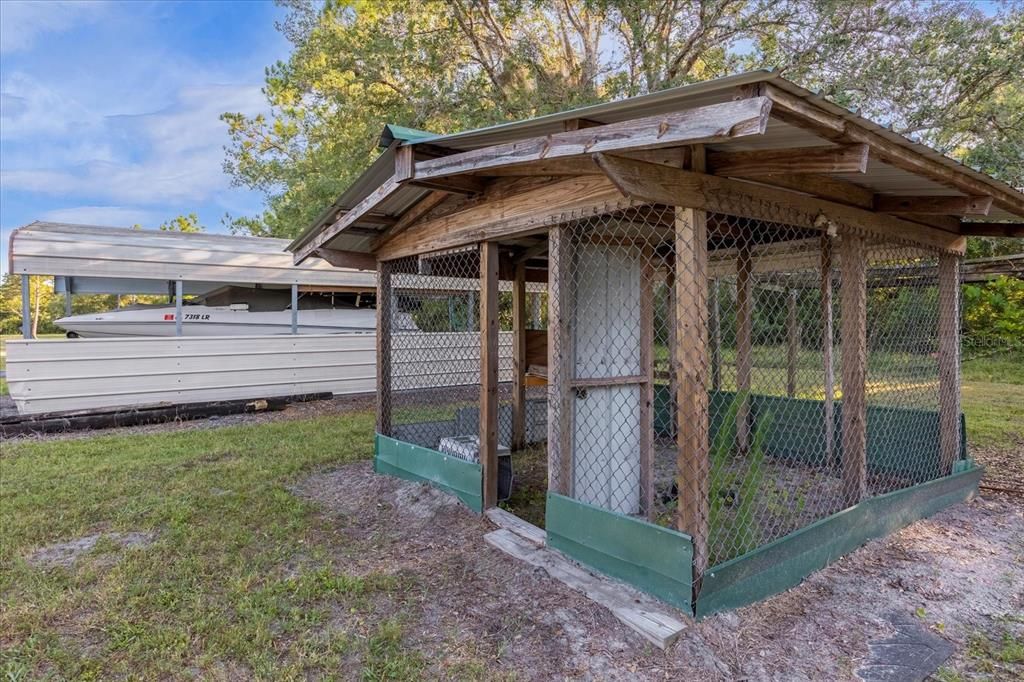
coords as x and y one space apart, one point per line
647 273
178 305
716 338
489 371
26 307
792 342
949 361
384 315
689 357
744 343
559 367
519 358
828 366
853 302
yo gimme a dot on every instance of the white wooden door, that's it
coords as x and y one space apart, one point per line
606 346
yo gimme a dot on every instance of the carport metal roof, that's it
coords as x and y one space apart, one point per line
113 260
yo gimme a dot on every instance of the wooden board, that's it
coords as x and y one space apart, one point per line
640 613
853 332
949 361
511 522
712 123
489 372
675 187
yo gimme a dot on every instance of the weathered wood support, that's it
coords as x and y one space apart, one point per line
559 367
793 333
384 315
949 361
828 366
715 336
690 363
853 302
744 342
519 357
489 372
647 273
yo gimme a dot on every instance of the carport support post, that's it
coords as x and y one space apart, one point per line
26 307
949 361
177 307
853 303
489 372
68 308
519 358
295 308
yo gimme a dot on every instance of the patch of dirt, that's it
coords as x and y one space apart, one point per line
1004 467
67 553
292 412
960 572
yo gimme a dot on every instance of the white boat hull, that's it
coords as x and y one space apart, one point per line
201 320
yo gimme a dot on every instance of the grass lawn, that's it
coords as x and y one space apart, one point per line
241 578
235 582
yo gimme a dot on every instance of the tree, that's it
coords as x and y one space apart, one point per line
183 223
942 71
40 297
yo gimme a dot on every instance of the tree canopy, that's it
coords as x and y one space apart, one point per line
944 71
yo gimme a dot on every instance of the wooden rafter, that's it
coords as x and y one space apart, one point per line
347 259
992 229
933 205
851 158
672 186
797 111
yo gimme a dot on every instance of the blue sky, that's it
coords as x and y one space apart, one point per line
109 110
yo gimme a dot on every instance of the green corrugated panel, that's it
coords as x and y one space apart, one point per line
651 558
415 463
785 562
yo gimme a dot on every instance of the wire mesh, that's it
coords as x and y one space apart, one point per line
695 370
734 430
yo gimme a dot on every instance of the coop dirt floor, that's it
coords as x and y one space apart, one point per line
960 574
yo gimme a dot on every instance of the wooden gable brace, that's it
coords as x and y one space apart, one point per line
661 184
504 216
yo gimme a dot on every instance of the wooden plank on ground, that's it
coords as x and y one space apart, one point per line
642 614
524 529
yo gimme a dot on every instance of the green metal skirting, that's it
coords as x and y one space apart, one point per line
415 463
654 559
783 563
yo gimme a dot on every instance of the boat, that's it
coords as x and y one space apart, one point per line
232 311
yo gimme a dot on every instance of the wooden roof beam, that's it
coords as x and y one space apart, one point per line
992 229
801 113
852 158
651 182
959 206
713 123
347 259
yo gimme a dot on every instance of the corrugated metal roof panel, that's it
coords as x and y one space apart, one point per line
120 253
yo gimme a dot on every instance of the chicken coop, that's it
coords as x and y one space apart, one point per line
725 318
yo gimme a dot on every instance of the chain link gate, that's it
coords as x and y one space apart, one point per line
757 374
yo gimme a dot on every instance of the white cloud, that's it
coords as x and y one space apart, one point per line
173 155
112 216
23 22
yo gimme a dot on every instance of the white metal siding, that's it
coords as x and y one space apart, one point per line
87 374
